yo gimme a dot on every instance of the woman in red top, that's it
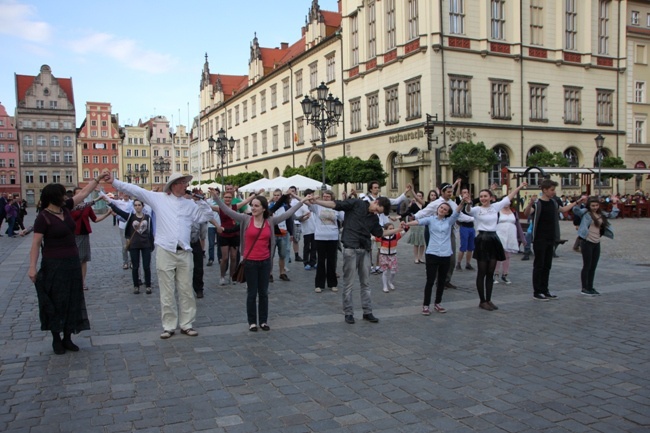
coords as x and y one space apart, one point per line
255 238
59 284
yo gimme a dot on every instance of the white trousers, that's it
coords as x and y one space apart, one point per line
175 274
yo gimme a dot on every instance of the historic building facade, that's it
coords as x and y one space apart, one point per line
521 77
9 155
98 142
45 120
638 80
160 142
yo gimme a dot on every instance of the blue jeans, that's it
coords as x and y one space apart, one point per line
356 260
10 229
257 279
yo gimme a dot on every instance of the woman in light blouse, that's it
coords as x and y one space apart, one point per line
488 248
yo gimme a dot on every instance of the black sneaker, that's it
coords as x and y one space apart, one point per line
595 292
540 297
525 257
349 318
550 296
370 318
298 258
588 292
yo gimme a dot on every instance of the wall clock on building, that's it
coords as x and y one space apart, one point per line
46 91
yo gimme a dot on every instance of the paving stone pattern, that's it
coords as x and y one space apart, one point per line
574 365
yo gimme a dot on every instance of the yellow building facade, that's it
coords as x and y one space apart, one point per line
521 77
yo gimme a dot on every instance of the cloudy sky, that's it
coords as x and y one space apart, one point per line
145 58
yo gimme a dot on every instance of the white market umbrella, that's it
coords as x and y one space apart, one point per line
301 183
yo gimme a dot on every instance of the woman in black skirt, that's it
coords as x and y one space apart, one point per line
488 249
59 283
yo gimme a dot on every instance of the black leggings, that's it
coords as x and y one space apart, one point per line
485 279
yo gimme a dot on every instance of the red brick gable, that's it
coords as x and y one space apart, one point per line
24 82
231 84
293 51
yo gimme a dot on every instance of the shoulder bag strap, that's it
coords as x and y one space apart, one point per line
256 238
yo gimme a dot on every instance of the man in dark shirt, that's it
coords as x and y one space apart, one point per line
361 222
546 234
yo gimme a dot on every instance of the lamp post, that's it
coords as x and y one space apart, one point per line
223 146
600 141
129 175
322 112
161 166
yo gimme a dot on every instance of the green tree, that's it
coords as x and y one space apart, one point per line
243 178
470 156
547 159
614 162
291 171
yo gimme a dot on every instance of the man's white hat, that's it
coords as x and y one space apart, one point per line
175 177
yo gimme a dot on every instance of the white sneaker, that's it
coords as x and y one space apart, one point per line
318 290
222 281
496 279
385 289
391 286
334 289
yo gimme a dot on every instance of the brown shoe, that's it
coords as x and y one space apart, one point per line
494 307
284 277
450 286
486 306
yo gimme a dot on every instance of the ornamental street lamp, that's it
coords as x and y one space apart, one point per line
223 146
144 173
161 166
322 112
129 175
600 141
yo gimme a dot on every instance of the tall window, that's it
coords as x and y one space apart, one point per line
498 19
460 96
394 171
372 30
538 102
287 134
27 140
29 177
67 141
354 40
504 161
244 111
536 22
604 114
285 90
391 36
299 82
634 18
639 92
413 99
253 110
275 138
500 99
392 105
265 141
355 115
330 62
572 106
313 75
40 140
639 131
571 26
571 179
603 26
262 102
413 30
245 147
533 176
457 17
274 96
373 110
300 130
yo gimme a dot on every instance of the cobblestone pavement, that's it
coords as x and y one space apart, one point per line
578 364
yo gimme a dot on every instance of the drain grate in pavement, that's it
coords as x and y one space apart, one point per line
643 264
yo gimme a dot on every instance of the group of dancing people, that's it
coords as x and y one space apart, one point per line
60 280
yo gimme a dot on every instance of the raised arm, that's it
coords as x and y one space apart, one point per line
228 211
570 206
120 212
249 199
515 191
85 192
292 209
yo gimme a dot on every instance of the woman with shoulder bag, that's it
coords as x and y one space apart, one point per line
139 242
256 233
593 225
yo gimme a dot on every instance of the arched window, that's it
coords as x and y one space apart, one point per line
534 177
394 161
276 173
41 141
571 179
598 159
27 140
54 140
265 173
504 161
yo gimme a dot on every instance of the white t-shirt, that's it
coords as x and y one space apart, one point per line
485 218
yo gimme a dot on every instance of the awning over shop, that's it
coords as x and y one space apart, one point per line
581 170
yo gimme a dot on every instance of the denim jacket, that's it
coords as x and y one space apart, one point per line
586 221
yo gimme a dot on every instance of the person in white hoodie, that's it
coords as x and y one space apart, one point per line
326 236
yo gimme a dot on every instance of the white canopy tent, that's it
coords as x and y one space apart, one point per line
300 182
267 184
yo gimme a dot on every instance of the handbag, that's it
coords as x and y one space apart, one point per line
239 274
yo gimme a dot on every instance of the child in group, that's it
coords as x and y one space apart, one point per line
388 257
